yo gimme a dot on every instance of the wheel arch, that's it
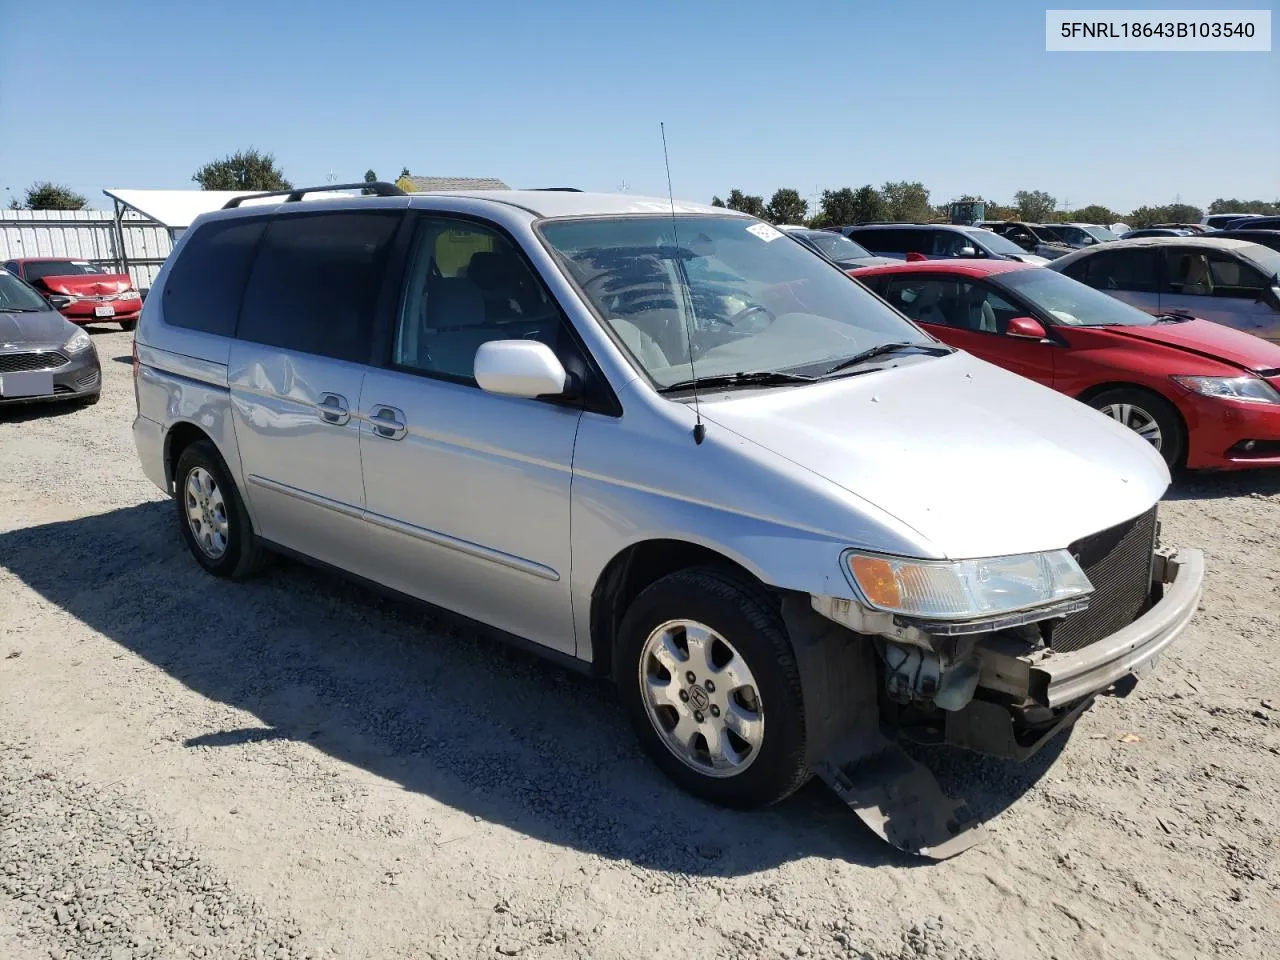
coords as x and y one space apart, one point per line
177 438
1087 396
631 570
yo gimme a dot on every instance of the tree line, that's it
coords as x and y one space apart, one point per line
909 201
905 200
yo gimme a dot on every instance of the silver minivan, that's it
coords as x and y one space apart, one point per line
656 443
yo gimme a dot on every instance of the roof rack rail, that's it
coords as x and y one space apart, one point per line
378 187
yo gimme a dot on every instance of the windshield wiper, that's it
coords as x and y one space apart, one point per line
22 309
757 378
884 349
1174 316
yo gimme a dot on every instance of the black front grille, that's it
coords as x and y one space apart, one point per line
1118 564
19 362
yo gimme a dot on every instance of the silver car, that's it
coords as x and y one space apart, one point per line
1232 282
656 443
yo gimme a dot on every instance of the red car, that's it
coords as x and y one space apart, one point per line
1206 396
81 291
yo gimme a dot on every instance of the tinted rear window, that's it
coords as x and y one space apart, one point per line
206 282
39 269
315 281
892 241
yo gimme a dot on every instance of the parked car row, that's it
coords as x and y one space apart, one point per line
903 241
1205 396
669 445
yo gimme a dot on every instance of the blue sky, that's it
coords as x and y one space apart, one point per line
755 95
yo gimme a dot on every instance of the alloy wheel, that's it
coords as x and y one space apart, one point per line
206 513
1136 419
701 698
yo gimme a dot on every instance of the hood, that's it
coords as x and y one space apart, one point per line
1209 339
979 461
87 284
33 329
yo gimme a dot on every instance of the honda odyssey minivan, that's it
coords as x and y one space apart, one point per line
656 443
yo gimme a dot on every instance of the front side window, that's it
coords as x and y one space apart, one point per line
17 297
729 294
953 302
1207 273
315 283
39 269
466 285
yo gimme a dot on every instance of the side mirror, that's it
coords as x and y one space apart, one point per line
519 368
914 257
58 302
1027 328
1271 297
968 251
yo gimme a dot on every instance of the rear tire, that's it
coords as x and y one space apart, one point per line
211 515
1148 414
128 325
734 734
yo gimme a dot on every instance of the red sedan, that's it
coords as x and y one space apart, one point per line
1206 396
81 291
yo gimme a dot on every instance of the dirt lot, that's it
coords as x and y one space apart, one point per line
293 767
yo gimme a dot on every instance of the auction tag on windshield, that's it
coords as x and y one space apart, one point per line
764 232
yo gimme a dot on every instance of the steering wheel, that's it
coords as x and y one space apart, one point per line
746 311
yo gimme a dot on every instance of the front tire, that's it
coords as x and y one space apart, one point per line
128 325
710 684
214 522
1149 415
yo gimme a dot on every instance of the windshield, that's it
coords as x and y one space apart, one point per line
1072 303
725 286
1070 234
39 269
17 297
1100 233
996 243
837 246
1266 258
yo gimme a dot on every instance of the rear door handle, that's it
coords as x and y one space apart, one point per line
387 422
333 408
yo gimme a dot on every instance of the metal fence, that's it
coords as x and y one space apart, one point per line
87 235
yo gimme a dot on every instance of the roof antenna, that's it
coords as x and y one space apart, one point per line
699 428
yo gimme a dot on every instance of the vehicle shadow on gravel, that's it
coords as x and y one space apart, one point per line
1213 486
423 701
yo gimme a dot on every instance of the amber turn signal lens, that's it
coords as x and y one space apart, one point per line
875 577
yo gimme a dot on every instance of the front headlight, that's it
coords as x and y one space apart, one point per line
1249 389
965 589
78 342
130 295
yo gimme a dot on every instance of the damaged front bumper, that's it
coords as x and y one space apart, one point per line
1054 679
983 682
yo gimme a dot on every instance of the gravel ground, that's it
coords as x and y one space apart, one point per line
294 768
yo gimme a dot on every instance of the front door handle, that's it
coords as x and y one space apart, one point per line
387 422
333 408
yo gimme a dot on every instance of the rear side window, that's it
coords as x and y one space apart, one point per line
315 283
892 241
206 282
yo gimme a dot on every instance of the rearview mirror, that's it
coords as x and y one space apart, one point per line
1028 328
519 368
